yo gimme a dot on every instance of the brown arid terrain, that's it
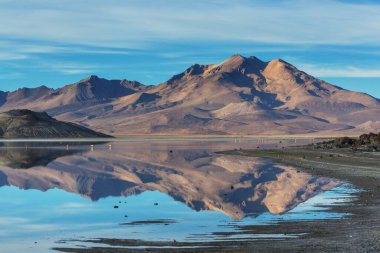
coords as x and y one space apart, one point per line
239 96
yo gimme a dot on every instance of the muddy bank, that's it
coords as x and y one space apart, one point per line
359 232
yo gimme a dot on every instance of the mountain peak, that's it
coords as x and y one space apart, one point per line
279 67
239 63
236 57
193 70
90 79
280 61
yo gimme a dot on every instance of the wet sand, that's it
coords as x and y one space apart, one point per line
359 232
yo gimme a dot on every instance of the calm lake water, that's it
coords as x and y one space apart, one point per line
54 193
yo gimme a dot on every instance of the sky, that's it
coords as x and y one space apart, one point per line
56 42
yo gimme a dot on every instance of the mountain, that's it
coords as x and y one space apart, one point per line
236 186
29 124
241 95
87 91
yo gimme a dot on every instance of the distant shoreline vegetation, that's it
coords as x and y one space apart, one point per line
366 142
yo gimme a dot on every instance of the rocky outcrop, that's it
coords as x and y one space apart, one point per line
29 124
366 142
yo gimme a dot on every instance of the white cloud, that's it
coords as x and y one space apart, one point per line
140 24
10 75
339 71
12 220
75 71
12 56
30 29
72 68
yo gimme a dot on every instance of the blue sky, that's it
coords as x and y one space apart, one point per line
54 42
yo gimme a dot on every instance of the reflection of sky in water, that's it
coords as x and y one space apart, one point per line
34 220
32 216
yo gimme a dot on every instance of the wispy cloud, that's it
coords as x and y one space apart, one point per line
13 220
54 42
10 75
139 24
339 71
12 56
72 68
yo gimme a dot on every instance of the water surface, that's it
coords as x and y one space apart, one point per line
162 190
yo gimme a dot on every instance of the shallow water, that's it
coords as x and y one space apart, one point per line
161 190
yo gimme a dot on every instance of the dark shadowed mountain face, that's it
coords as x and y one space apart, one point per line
237 96
29 124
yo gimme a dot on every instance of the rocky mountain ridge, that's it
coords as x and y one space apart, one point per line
241 95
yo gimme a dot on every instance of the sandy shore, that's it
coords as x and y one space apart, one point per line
360 232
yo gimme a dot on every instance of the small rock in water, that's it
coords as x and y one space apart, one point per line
232 187
156 204
115 207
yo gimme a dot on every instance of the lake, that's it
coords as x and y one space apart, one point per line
66 194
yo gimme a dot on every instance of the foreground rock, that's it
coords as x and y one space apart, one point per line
29 124
366 142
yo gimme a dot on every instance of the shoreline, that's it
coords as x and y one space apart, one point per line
244 136
359 232
167 138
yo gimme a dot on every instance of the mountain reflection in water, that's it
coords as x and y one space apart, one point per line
27 155
189 172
